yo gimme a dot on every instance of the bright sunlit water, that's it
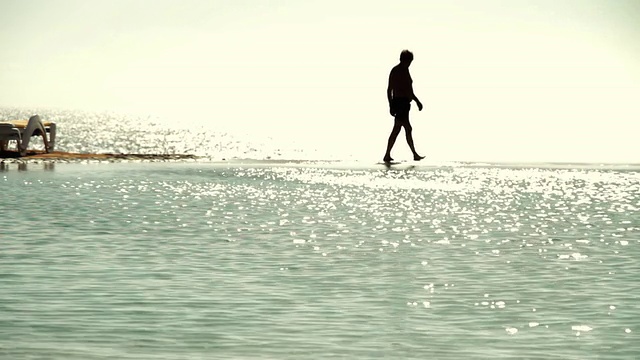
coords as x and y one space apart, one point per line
89 132
308 260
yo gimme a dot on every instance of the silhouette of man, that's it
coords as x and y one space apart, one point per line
400 94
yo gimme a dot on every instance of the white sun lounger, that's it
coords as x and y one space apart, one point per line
21 131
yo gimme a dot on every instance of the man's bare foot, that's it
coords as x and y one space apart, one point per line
387 159
417 157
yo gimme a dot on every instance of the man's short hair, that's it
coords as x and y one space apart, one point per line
406 55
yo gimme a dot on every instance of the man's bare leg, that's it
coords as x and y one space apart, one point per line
392 140
408 130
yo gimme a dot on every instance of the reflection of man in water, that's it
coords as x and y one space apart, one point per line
400 94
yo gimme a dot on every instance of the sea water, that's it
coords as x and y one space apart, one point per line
265 259
268 261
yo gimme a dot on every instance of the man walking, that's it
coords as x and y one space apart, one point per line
400 94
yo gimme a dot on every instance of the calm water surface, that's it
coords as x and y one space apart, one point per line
204 261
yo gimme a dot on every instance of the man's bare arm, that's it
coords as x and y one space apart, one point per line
415 98
390 87
390 93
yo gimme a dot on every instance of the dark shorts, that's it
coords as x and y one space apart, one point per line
400 107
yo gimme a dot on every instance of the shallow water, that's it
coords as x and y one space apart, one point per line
203 260
106 132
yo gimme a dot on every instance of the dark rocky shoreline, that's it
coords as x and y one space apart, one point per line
12 157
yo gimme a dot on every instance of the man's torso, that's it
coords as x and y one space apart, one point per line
401 83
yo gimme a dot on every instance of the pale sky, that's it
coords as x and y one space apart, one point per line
516 80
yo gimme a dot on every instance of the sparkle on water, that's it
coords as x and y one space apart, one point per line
90 132
195 260
290 261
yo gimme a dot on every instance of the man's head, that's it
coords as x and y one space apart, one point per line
406 57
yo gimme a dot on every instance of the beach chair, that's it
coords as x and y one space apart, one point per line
21 131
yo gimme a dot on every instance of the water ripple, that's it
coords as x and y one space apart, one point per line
195 261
